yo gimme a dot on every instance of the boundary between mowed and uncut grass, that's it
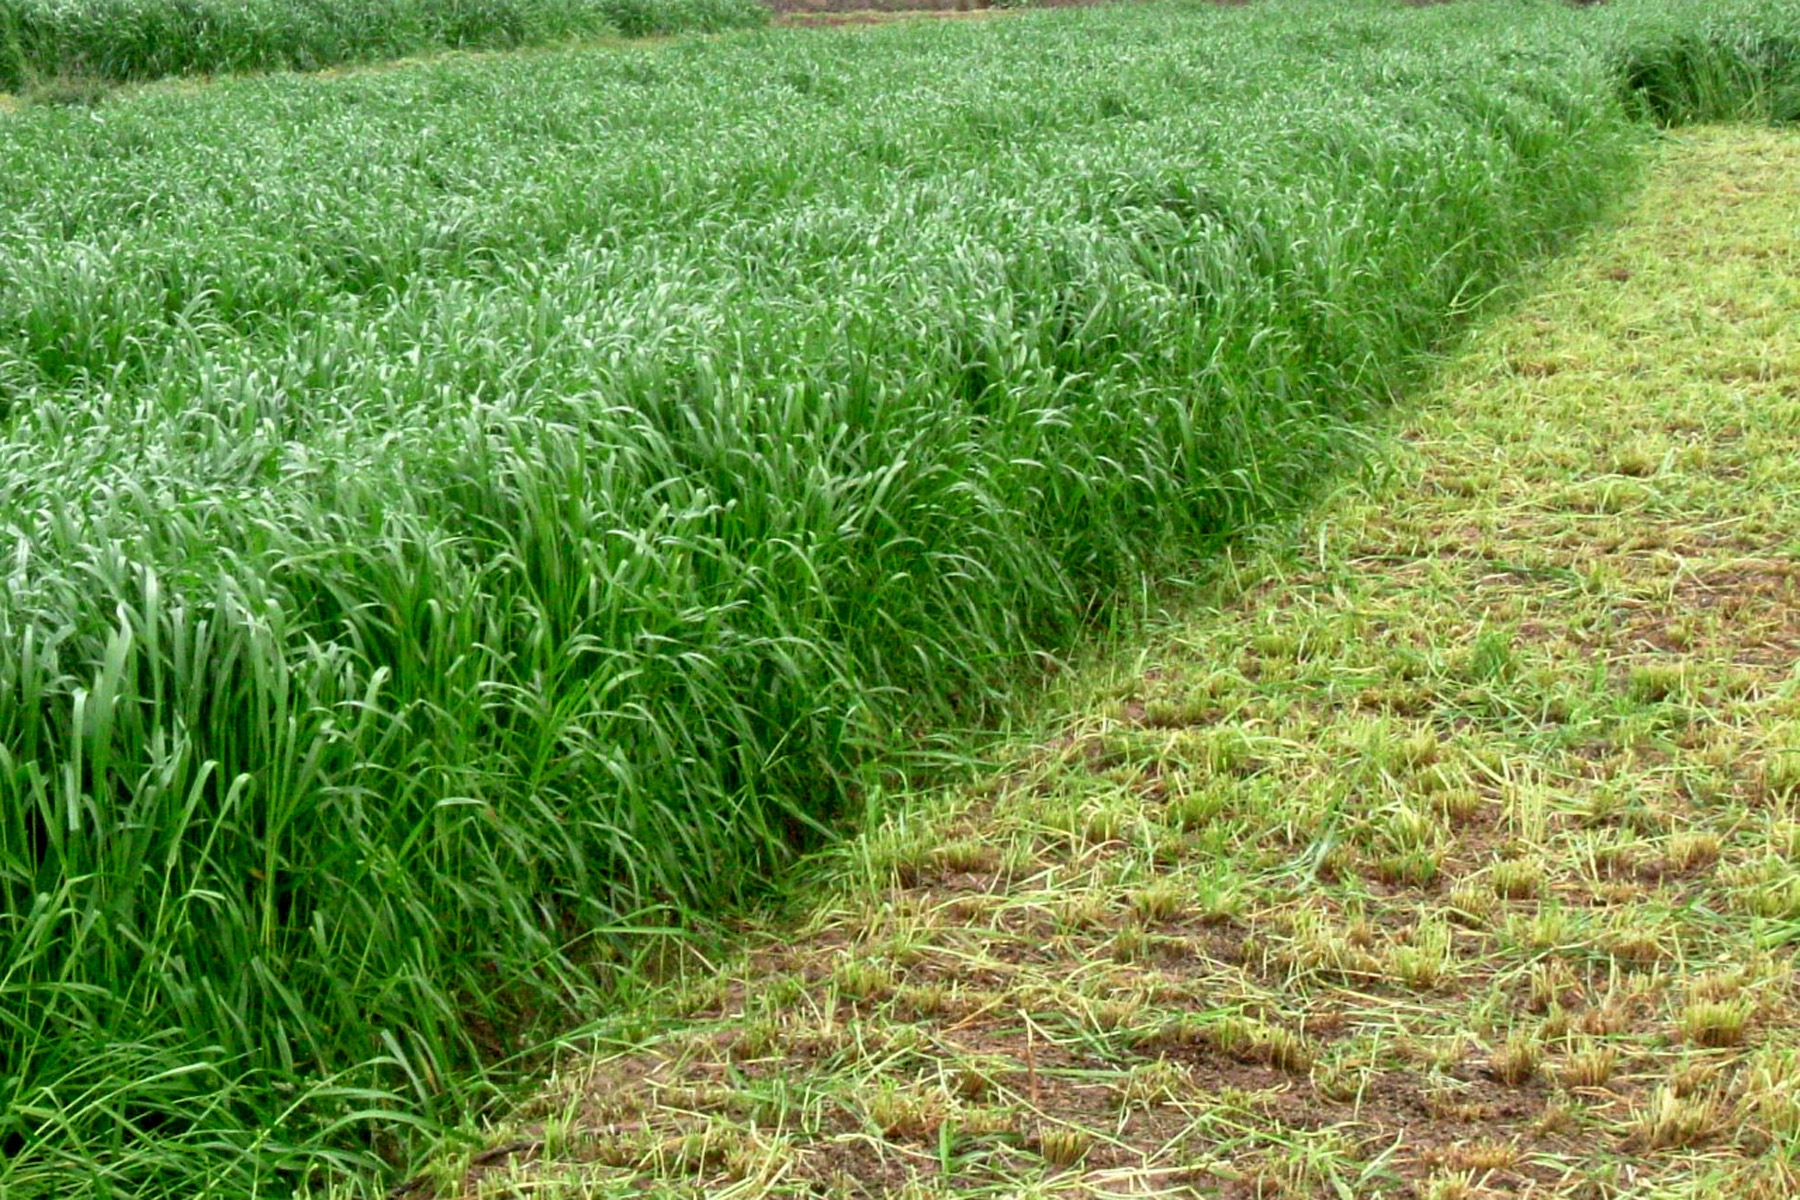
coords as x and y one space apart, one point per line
458 510
1443 850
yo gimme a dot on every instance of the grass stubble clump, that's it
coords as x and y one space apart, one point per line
458 519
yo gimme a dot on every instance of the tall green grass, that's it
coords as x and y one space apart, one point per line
122 40
451 516
1683 64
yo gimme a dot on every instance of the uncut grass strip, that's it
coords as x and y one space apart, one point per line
67 53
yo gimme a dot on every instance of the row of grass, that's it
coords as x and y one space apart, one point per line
49 42
453 517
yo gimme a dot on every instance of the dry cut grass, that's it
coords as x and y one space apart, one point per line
1445 852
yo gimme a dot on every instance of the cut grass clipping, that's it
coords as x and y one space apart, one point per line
451 513
1445 853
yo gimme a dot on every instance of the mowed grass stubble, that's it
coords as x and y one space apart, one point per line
455 517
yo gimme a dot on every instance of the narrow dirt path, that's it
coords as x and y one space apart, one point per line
1448 853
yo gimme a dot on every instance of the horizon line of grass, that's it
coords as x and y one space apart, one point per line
60 48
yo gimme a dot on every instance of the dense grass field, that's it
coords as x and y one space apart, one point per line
457 518
1438 847
65 44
